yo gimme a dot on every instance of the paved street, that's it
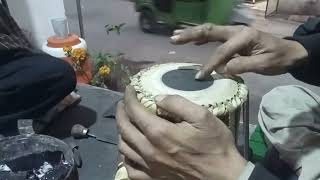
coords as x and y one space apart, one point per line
140 46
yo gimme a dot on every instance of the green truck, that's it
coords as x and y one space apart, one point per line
176 12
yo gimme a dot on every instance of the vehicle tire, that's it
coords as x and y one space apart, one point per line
147 21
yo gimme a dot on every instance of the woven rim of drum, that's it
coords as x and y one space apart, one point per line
218 109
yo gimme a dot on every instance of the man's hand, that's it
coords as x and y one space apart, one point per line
194 144
243 50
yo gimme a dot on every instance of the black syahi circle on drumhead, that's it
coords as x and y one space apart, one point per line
184 80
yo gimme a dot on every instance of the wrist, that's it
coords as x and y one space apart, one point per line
237 164
296 54
229 166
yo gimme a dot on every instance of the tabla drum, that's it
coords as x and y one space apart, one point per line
221 95
224 96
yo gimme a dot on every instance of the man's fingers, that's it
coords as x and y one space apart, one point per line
198 33
131 135
137 112
148 123
178 31
181 108
243 64
128 152
235 39
201 42
223 54
204 33
183 36
140 143
134 172
155 130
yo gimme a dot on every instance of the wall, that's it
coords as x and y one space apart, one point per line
34 16
299 7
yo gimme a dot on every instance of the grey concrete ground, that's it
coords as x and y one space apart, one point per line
140 46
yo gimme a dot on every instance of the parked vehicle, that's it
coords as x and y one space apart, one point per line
176 12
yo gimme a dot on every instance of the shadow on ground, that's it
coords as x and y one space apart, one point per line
77 115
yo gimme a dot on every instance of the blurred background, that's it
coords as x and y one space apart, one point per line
140 29
278 17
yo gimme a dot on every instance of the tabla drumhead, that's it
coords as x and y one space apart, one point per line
220 95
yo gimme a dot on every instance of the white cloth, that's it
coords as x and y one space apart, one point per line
290 119
246 173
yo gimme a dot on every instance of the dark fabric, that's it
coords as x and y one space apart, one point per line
31 84
5 4
273 163
312 26
273 168
261 173
11 36
308 35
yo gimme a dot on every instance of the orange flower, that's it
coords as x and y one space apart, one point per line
104 70
79 53
67 49
82 59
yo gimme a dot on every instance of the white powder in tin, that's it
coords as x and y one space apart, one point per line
45 168
4 167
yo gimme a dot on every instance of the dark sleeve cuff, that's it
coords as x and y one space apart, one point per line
309 71
260 173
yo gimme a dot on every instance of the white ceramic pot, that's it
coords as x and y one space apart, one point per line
58 52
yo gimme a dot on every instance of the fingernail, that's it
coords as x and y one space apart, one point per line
174 38
199 75
178 31
159 98
162 113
